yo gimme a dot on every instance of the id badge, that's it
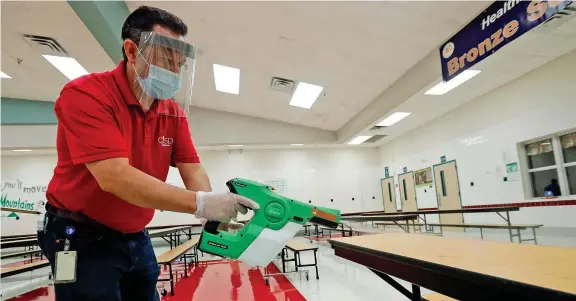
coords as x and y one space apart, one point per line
65 267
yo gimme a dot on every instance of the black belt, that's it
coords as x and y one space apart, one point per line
76 216
83 219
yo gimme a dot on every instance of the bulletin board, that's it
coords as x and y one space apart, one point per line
423 177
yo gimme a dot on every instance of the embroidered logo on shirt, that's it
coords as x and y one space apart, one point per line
165 141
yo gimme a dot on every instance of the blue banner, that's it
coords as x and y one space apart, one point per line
501 23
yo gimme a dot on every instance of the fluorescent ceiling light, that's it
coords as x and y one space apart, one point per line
21 150
296 144
305 95
359 140
444 87
392 119
4 75
67 65
235 145
227 79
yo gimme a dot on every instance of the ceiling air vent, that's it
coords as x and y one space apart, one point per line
45 45
282 84
375 138
558 19
377 127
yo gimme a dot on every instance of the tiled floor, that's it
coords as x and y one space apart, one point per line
217 279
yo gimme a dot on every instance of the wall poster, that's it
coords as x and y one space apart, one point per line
423 177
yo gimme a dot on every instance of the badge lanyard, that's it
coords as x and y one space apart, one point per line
65 266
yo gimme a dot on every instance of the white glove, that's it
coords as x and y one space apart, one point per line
222 206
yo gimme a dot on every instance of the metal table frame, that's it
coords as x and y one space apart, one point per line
422 216
450 281
396 218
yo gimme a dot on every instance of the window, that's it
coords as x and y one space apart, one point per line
390 191
404 187
551 165
443 182
571 175
568 144
540 154
545 183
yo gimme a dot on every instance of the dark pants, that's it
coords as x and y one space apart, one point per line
111 266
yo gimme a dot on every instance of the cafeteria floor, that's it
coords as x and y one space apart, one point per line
221 280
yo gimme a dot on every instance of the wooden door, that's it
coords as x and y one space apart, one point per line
388 194
448 193
407 192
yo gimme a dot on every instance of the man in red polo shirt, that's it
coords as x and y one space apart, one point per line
118 133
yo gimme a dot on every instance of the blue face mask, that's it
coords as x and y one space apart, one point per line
160 83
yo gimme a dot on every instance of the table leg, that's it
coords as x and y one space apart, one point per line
519 236
508 221
481 234
283 261
297 259
533 233
316 264
416 293
185 268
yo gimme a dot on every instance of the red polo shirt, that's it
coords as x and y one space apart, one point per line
100 118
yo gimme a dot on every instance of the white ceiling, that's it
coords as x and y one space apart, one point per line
354 49
35 78
525 54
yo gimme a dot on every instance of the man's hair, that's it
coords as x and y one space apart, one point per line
144 18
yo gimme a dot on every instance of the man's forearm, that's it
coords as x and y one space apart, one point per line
198 182
194 176
140 189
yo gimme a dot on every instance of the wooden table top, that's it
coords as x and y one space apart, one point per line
542 266
171 226
12 270
172 254
31 239
299 245
438 211
397 217
18 243
164 231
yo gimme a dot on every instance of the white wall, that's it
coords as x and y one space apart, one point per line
310 174
482 136
208 127
19 175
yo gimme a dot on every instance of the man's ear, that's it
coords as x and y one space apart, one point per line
131 50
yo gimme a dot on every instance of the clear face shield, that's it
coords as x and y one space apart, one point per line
164 74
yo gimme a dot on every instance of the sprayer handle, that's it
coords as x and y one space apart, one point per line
212 227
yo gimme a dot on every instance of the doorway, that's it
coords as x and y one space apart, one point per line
407 192
388 194
448 193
